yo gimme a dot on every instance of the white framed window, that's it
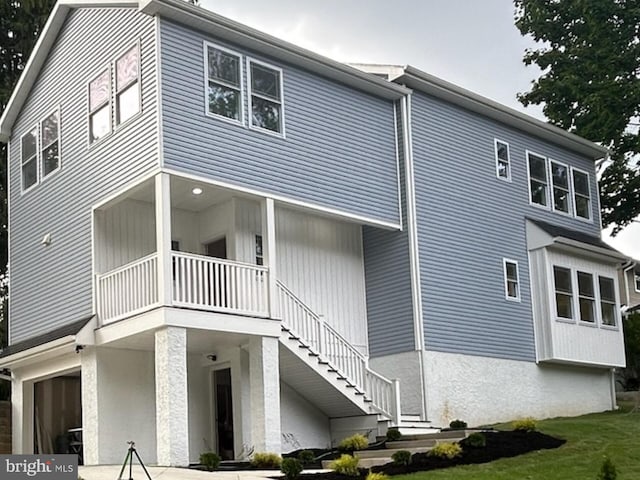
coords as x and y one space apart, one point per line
563 287
503 160
223 83
636 281
50 144
266 110
586 298
127 85
29 159
100 106
560 187
608 308
259 251
581 194
511 280
538 180
40 151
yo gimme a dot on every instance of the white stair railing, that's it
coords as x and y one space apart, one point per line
127 289
332 347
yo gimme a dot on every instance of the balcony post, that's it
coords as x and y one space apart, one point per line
269 252
163 237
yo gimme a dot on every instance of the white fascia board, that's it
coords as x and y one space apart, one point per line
39 352
587 250
234 32
424 82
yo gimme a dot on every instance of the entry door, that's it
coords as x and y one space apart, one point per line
217 248
223 411
218 278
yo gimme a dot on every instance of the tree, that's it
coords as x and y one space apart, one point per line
20 24
589 52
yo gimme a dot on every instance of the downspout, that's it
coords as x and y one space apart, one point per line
614 400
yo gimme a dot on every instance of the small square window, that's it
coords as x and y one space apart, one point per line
503 162
511 280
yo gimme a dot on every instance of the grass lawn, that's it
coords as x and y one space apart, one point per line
589 439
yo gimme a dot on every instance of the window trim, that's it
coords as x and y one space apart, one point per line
36 158
552 187
495 147
44 177
109 102
573 194
205 50
116 125
528 154
282 133
517 298
616 303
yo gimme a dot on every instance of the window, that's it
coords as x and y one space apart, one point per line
538 182
259 252
503 167
99 107
560 187
636 279
40 150
581 194
29 156
127 85
224 83
564 292
586 297
265 97
607 301
511 280
50 144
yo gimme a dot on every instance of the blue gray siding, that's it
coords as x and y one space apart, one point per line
388 281
52 286
468 220
339 148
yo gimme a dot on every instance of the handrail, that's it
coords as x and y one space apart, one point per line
221 261
126 266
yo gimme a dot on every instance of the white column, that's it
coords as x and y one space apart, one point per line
172 411
163 237
264 385
269 252
21 415
90 406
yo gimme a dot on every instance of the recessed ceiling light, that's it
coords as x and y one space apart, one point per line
197 191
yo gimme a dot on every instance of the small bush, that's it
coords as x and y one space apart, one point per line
346 465
458 425
266 460
527 424
607 470
291 467
210 460
306 457
476 440
401 457
393 435
376 476
354 442
446 450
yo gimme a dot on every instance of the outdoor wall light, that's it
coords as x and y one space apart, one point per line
46 240
196 191
212 357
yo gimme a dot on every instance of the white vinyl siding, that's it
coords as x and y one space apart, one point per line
511 280
503 160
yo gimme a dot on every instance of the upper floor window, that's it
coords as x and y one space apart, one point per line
224 83
503 162
581 194
538 182
127 85
607 301
99 107
50 144
29 156
265 96
40 150
511 280
560 184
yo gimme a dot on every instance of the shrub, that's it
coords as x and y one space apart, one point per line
527 424
476 440
291 467
458 425
393 435
401 457
607 470
306 457
266 460
354 442
376 476
210 460
346 465
446 450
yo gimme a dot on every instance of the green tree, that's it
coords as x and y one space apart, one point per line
20 24
589 51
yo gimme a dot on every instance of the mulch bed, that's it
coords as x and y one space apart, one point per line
499 445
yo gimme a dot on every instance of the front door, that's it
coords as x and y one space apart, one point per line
223 413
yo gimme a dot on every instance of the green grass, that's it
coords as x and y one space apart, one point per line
589 439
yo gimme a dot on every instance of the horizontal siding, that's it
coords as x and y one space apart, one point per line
339 149
52 286
468 220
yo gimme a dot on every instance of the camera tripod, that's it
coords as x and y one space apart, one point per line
129 458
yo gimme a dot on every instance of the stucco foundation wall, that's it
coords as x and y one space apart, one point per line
302 425
406 368
482 390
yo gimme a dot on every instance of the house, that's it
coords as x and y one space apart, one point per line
221 241
629 280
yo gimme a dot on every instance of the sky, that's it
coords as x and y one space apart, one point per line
473 44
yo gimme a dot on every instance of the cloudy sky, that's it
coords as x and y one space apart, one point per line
473 44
